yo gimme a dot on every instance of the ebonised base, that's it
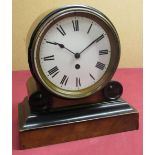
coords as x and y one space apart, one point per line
74 122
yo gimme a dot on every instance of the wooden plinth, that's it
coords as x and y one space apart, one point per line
74 122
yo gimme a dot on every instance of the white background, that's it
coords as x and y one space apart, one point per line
6 77
149 77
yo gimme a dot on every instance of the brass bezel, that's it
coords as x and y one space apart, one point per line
54 17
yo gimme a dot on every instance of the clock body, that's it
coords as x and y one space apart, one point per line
74 51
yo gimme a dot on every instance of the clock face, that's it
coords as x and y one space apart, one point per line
74 51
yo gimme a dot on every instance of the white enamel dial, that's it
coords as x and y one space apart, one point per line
75 53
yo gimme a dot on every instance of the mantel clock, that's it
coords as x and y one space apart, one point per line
73 53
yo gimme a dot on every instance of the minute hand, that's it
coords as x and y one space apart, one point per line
96 40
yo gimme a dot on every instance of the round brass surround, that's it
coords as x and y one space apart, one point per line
53 18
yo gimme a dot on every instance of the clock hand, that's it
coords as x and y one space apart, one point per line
96 40
60 45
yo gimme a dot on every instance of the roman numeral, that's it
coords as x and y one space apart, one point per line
102 52
78 82
64 80
48 58
91 76
99 38
54 71
89 27
100 65
61 30
75 25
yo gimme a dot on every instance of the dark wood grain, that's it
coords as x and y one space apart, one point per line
33 86
76 131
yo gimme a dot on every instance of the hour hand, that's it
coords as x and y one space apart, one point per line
60 45
55 43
